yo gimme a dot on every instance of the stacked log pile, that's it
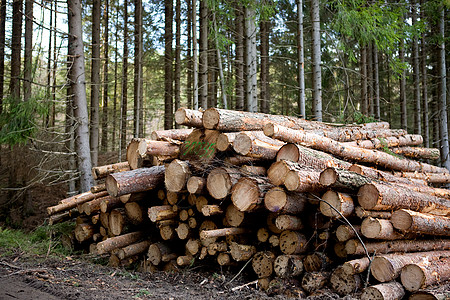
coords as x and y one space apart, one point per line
310 206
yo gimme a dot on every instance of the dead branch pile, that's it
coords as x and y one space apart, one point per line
312 206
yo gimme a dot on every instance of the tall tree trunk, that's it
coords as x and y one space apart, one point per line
370 79
95 81
105 77
203 61
54 69
69 127
239 59
316 56
376 82
189 88
301 62
16 48
212 70
403 103
220 67
194 56
363 62
416 72
168 65
78 86
137 122
124 104
445 151
264 77
28 55
116 80
177 57
251 58
426 126
2 49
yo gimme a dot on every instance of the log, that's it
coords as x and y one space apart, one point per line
292 242
352 133
278 200
286 266
134 159
211 210
431 294
270 221
225 140
185 260
388 266
84 232
426 273
118 242
200 202
241 252
388 142
94 205
230 120
383 196
253 170
248 193
311 158
206 234
134 212
214 248
262 235
103 171
108 203
429 177
147 148
348 152
74 201
116 222
170 134
189 117
342 202
133 249
344 283
362 213
183 231
224 259
204 226
417 152
288 222
385 176
159 213
262 263
274 240
160 252
339 250
411 221
62 217
314 281
341 179
98 188
302 181
354 247
380 229
196 185
138 180
220 181
385 291
176 175
347 232
356 266
315 262
193 246
238 160
167 232
256 144
200 146
172 198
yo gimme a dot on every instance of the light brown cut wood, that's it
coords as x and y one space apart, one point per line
220 181
108 204
214 248
184 215
278 200
354 247
211 210
426 273
118 242
348 152
113 261
205 226
74 201
417 152
429 177
248 193
254 170
342 202
192 222
98 188
171 134
274 240
136 160
262 235
289 222
225 140
339 250
344 283
167 232
224 259
356 266
133 249
172 198
287 266
362 213
159 213
176 175
206 234
185 260
388 266
314 281
183 231
292 242
234 217
256 144
262 263
200 202
342 179
383 196
385 291
103 171
147 148
411 221
346 232
94 205
390 141
302 181
241 252
157 251
315 262
193 246
196 185
189 117
380 229
84 232
431 294
116 221
134 212
238 160
138 180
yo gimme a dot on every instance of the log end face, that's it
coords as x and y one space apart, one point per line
371 228
180 116
245 194
291 181
218 184
275 199
211 118
331 198
412 277
269 129
368 196
277 172
288 152
328 177
242 144
176 175
382 269
401 220
222 143
112 186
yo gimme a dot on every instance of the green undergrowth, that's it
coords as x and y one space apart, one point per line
45 241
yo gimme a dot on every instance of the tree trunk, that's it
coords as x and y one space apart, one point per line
118 242
239 59
363 63
423 65
95 81
416 72
2 49
251 58
385 291
203 55
423 223
264 67
177 72
138 82
194 56
301 62
16 48
105 110
124 104
79 95
424 274
28 52
168 64
403 102
376 83
316 57
389 141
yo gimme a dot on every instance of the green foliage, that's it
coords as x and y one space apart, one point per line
18 121
359 118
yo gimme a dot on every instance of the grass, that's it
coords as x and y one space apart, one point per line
44 240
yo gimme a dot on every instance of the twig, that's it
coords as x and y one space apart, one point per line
240 271
244 285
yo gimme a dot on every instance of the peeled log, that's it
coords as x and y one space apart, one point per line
189 117
348 152
389 141
429 177
424 274
343 203
386 291
262 263
220 181
388 267
160 213
354 247
344 283
206 234
417 152
377 196
293 242
196 185
379 229
103 171
411 221
248 193
116 222
138 180
342 179
256 144
118 242
171 134
176 175
286 266
280 201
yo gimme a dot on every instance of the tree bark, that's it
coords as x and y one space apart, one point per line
293 242
2 49
426 273
28 52
124 99
423 223
95 81
343 203
118 242
16 48
391 290
168 64
105 84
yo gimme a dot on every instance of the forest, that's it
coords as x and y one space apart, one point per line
79 79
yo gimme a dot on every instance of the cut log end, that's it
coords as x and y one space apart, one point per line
368 196
392 291
328 177
245 194
343 203
412 277
275 199
211 118
401 220
242 144
112 186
